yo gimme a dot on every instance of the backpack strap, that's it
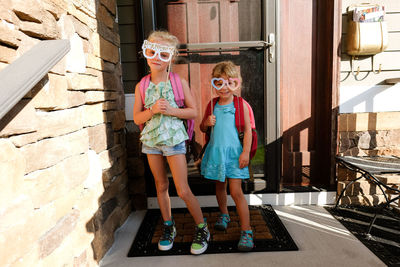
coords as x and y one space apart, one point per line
177 88
206 114
144 83
251 113
239 114
213 102
179 97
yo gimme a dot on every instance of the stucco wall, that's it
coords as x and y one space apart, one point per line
63 175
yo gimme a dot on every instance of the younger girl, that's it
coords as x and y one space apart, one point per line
224 155
164 135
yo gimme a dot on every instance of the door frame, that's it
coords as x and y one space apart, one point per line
328 51
271 139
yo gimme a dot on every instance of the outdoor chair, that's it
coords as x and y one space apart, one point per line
368 168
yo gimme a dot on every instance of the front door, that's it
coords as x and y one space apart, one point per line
242 31
293 111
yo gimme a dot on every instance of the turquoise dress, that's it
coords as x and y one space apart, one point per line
162 129
221 158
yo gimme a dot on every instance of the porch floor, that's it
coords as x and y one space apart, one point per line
321 239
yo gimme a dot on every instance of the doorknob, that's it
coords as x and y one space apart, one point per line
271 48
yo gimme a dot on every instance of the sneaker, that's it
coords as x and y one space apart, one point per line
200 239
167 238
222 222
246 241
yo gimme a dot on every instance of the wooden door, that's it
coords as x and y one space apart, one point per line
194 21
213 31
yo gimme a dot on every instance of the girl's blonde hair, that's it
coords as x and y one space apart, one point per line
164 36
227 68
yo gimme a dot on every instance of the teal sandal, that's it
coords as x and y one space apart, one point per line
246 241
222 222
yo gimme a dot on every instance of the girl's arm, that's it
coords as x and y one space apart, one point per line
140 116
190 110
245 156
207 121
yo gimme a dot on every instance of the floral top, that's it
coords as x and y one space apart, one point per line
162 129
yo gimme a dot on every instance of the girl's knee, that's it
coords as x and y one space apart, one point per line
162 186
184 194
236 193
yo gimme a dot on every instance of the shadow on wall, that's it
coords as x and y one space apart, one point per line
114 205
64 184
375 98
313 167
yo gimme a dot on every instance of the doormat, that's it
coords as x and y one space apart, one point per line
384 239
269 232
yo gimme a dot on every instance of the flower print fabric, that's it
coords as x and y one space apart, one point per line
162 129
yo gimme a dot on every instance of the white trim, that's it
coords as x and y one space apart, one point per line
283 199
129 101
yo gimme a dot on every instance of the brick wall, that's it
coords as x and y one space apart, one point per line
63 171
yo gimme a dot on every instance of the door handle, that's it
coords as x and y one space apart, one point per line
271 48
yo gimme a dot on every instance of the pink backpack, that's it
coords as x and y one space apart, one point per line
178 94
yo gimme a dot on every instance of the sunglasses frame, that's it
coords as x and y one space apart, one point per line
226 82
158 49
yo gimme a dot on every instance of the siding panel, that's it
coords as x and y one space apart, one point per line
389 59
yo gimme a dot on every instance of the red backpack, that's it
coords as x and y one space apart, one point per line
239 121
178 94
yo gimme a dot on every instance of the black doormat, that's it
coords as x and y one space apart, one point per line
269 232
384 238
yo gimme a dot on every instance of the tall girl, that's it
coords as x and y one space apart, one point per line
225 159
163 137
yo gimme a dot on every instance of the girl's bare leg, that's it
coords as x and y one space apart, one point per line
157 166
235 187
178 167
220 193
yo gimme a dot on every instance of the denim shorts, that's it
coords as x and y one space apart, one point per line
165 150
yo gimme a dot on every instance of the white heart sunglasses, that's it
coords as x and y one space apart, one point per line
231 83
151 50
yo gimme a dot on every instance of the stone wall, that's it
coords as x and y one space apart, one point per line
368 134
63 172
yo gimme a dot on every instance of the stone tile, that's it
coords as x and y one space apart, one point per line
52 239
57 149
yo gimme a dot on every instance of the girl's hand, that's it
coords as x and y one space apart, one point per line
244 160
169 110
160 106
210 121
